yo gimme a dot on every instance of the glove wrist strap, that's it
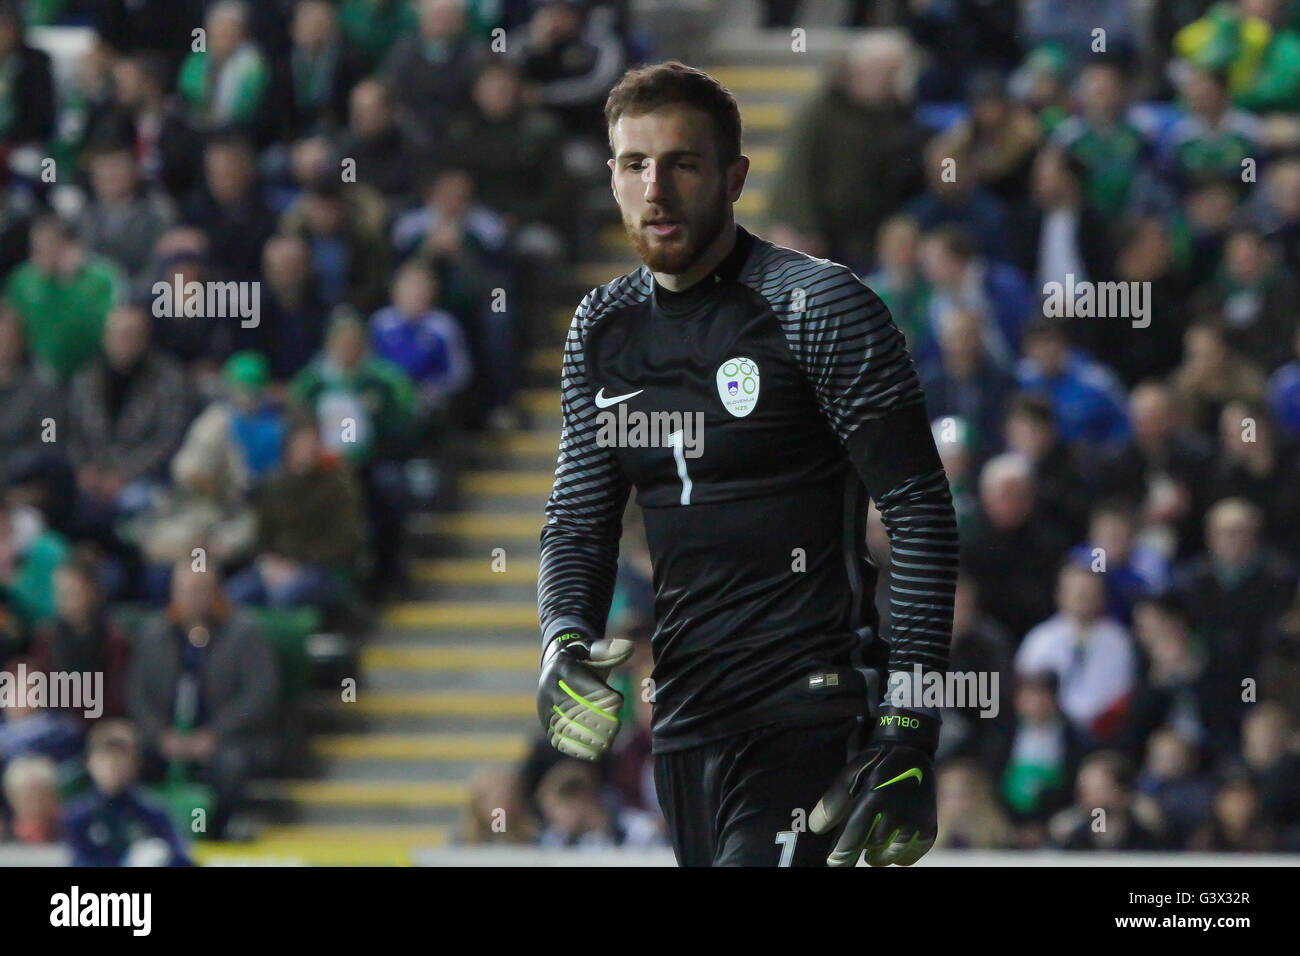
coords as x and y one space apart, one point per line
571 639
907 727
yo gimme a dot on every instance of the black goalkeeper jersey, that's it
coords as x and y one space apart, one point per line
732 408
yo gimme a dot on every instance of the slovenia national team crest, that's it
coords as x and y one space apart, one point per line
738 385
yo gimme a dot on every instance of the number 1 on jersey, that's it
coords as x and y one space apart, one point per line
679 456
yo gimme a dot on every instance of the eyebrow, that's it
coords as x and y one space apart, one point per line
672 153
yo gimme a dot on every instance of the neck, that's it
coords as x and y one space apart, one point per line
717 250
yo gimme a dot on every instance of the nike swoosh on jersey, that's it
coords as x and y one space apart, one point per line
603 402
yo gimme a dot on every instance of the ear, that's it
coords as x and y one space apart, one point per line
736 174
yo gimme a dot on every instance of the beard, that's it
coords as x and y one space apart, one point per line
694 234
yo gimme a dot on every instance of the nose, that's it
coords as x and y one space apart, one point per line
654 190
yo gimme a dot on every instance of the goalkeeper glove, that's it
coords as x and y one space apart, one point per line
578 709
885 797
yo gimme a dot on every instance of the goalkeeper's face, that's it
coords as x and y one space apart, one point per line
673 196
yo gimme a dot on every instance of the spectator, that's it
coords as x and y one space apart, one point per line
1087 400
31 406
292 328
497 811
1256 297
226 83
345 230
166 147
27 98
1236 824
1165 467
30 553
1235 592
1011 555
114 824
897 280
1090 653
1254 464
999 136
1061 475
1107 814
970 818
980 647
123 222
126 417
31 788
1274 766
961 278
1144 253
82 638
309 529
1210 143
372 27
63 295
430 72
202 691
1246 42
364 407
310 87
965 381
1044 754
512 152
1169 778
385 152
959 201
1211 375
1059 235
422 339
1110 152
465 244
571 61
865 116
1176 688
230 206
232 445
1133 570
576 814
1284 392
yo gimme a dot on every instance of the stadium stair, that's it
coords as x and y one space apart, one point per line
447 684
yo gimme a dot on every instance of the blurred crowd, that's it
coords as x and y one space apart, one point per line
261 265
1126 470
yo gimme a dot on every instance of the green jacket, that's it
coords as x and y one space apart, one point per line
364 414
232 94
64 320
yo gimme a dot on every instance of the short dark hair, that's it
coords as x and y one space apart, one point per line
957 240
1032 406
649 88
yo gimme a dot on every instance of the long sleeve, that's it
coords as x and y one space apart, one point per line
857 362
584 514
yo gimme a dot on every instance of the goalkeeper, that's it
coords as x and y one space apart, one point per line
754 397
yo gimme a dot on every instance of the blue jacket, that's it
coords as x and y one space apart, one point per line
1087 399
430 349
101 829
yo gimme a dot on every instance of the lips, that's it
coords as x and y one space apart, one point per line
663 227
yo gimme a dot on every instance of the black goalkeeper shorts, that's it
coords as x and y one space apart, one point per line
745 800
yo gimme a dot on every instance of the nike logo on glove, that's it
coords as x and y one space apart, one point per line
603 402
914 772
